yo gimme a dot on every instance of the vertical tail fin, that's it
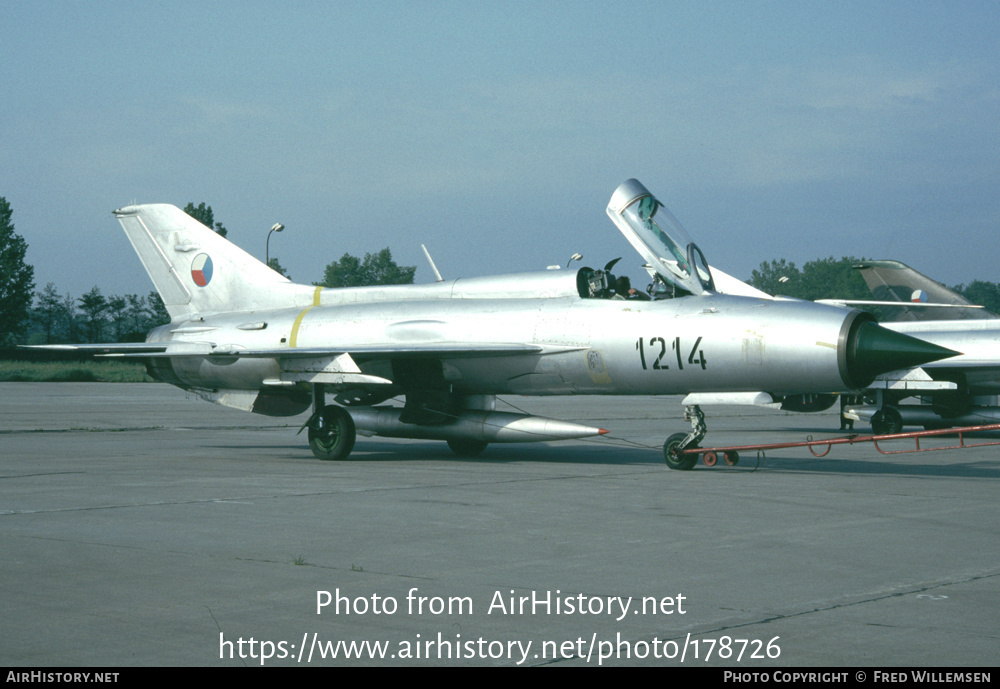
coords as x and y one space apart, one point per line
197 271
895 281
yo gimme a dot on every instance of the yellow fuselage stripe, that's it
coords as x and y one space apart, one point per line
298 319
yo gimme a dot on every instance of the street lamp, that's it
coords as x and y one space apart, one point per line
277 227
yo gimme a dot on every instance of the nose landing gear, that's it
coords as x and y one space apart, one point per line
673 449
686 441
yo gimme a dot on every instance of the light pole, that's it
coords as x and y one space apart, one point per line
277 227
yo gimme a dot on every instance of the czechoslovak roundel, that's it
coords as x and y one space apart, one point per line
201 269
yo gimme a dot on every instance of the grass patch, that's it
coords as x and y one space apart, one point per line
73 372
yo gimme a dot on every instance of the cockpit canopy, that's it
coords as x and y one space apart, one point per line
659 237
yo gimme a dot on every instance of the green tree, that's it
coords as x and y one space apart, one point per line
776 277
48 312
142 314
824 278
17 280
94 305
69 315
206 217
375 269
277 267
986 294
833 278
158 314
136 310
118 317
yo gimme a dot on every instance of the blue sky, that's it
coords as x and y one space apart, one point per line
495 132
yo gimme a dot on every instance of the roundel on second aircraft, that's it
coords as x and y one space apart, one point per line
201 269
919 296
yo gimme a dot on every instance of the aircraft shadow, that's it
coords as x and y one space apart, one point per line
792 461
436 451
946 464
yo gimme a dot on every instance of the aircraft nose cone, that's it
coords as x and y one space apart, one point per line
876 350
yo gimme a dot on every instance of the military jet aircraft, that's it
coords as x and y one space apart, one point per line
244 336
960 391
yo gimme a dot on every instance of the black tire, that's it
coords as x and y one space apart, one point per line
334 439
467 448
674 460
887 421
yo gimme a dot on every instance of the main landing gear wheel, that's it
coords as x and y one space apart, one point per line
887 421
675 460
467 448
332 434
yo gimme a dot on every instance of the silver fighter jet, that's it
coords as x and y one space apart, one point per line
244 336
961 391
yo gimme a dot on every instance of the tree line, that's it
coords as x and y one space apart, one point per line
56 318
47 317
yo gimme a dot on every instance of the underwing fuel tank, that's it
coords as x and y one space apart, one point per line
925 415
471 424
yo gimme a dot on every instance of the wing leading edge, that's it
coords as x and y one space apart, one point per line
144 350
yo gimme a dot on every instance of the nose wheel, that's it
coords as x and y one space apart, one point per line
672 454
676 460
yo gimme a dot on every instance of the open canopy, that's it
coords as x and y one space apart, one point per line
658 236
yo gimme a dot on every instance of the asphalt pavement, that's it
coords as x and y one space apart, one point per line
142 526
